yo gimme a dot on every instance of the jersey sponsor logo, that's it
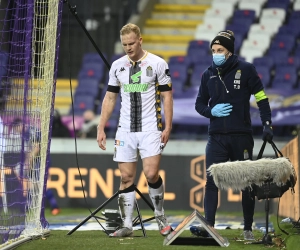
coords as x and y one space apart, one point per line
122 69
143 64
119 143
141 87
149 71
135 77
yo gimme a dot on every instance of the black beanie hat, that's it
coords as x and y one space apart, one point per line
226 39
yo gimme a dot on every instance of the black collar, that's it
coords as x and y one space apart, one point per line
224 68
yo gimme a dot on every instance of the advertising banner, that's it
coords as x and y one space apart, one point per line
285 105
184 179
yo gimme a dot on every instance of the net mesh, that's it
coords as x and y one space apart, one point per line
28 64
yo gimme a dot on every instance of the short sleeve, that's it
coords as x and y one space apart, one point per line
163 76
113 82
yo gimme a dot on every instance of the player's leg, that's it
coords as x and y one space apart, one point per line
126 199
150 147
55 210
126 156
242 149
216 152
3 185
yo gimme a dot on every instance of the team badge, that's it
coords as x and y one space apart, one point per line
149 71
238 74
246 154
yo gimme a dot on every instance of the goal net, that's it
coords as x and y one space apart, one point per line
29 43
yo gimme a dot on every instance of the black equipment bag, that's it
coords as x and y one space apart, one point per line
270 189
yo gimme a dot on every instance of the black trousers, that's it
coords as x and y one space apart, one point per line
222 148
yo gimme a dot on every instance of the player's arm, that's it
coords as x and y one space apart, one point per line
265 115
257 89
167 98
107 108
263 106
30 157
108 105
203 97
165 88
262 102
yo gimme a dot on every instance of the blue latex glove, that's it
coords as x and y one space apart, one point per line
221 109
268 132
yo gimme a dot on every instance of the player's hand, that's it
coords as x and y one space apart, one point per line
101 139
268 132
221 110
165 136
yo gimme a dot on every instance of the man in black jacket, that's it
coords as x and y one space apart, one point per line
224 98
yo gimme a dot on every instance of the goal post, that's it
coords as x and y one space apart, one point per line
29 43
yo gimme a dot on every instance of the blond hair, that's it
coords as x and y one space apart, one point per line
130 27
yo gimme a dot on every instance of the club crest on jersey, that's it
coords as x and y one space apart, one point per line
238 74
246 154
149 71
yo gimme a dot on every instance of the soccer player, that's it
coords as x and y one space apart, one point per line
34 174
16 139
224 96
144 83
2 168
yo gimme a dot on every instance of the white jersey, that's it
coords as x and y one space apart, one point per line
141 84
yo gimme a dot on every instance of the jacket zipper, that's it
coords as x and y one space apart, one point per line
227 91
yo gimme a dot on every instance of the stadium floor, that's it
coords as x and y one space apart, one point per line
68 223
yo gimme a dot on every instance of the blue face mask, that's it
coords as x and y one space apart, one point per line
219 59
